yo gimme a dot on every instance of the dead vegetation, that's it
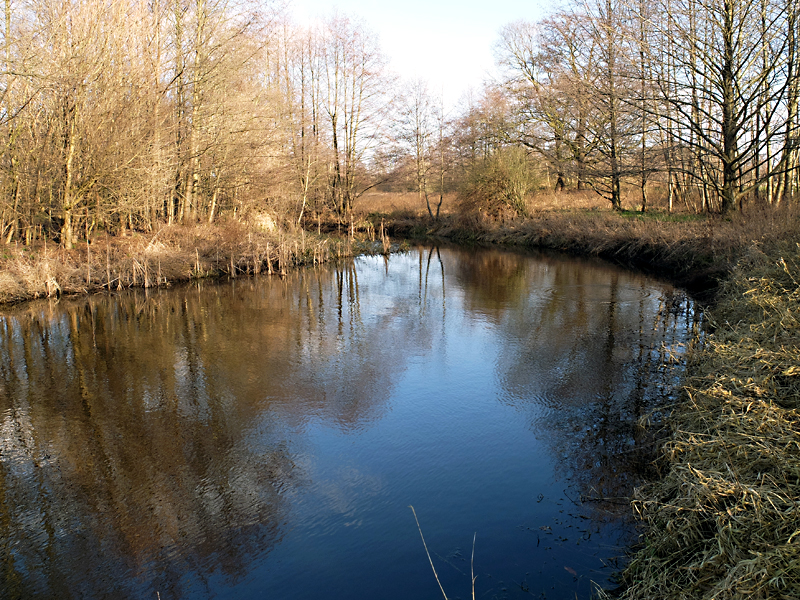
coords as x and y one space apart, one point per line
724 522
173 253
398 205
694 251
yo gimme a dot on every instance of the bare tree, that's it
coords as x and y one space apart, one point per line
299 81
419 126
730 92
355 98
552 70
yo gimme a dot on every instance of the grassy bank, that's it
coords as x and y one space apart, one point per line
724 522
172 254
694 252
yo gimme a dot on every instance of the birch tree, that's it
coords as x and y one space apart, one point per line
355 99
421 132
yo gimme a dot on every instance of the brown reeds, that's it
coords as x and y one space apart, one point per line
174 253
724 522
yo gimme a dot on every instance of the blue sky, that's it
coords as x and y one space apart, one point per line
449 43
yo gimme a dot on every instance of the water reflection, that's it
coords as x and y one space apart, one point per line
123 454
191 443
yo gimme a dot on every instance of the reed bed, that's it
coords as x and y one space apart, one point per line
173 253
724 521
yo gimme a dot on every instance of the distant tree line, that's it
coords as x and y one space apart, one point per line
696 99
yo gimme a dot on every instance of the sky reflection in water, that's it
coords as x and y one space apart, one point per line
264 438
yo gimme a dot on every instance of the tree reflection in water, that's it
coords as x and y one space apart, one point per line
168 441
597 347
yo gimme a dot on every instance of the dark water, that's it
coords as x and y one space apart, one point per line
265 438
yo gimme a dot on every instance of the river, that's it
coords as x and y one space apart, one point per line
265 438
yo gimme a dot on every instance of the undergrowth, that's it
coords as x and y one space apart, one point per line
173 253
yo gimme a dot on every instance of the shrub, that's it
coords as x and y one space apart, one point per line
499 184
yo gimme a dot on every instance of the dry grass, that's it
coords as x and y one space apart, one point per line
174 253
725 520
408 204
693 251
548 200
397 205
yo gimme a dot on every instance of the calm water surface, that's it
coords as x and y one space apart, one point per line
265 438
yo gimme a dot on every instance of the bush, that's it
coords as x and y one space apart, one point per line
499 184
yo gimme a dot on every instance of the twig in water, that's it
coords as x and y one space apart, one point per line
566 495
472 565
428 553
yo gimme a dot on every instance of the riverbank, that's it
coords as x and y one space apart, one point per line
723 521
173 254
694 252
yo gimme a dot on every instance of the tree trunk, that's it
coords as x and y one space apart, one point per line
68 199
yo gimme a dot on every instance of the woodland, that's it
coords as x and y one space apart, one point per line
129 115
